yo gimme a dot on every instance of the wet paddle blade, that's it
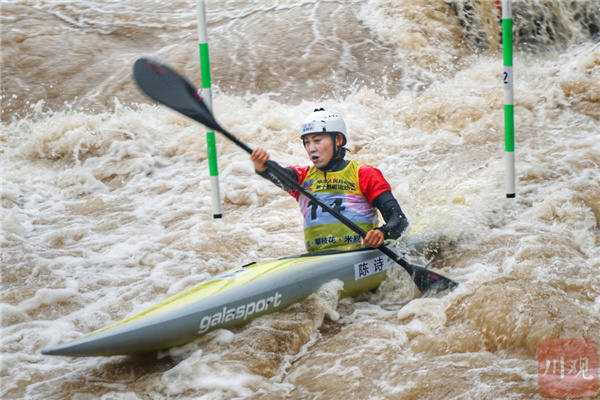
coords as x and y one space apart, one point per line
161 83
429 282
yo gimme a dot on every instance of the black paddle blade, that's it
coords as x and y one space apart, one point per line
161 83
429 282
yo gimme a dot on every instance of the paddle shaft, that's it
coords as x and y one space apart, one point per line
281 174
424 279
278 171
166 86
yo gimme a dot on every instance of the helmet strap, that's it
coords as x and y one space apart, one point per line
336 158
336 151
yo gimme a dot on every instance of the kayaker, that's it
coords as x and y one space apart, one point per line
351 188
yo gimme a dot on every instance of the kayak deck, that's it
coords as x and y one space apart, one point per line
231 299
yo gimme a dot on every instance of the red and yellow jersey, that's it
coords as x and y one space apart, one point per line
351 192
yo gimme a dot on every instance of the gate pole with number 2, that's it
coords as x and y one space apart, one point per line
509 119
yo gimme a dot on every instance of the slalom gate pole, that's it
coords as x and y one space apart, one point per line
206 93
509 120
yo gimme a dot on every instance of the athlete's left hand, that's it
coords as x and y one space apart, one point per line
374 238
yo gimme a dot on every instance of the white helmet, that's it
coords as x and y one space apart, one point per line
323 121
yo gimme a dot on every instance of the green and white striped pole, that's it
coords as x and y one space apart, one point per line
509 119
206 93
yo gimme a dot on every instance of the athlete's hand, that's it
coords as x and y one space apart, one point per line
374 238
259 157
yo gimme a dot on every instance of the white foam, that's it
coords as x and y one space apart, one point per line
107 212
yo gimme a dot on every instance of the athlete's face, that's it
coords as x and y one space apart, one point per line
319 147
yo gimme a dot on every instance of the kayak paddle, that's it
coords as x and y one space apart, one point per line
167 87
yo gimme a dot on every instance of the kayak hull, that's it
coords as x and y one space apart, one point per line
231 299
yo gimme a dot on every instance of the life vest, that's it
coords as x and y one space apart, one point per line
341 191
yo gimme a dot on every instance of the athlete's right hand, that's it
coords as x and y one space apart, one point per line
374 238
259 157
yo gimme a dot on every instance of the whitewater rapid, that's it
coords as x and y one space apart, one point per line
106 204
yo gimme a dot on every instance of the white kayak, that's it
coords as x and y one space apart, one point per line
231 299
